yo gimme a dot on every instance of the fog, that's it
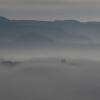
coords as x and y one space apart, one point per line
67 73
86 52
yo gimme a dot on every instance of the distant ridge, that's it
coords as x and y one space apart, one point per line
38 33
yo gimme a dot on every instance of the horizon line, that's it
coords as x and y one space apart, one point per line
50 20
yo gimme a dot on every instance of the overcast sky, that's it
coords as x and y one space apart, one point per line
51 9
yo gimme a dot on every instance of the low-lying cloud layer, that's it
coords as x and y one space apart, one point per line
50 79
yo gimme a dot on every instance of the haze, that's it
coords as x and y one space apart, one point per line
84 10
46 56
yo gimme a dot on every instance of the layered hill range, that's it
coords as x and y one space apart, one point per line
28 33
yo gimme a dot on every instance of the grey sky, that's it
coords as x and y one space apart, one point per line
51 9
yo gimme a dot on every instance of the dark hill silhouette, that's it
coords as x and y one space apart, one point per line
32 32
4 20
